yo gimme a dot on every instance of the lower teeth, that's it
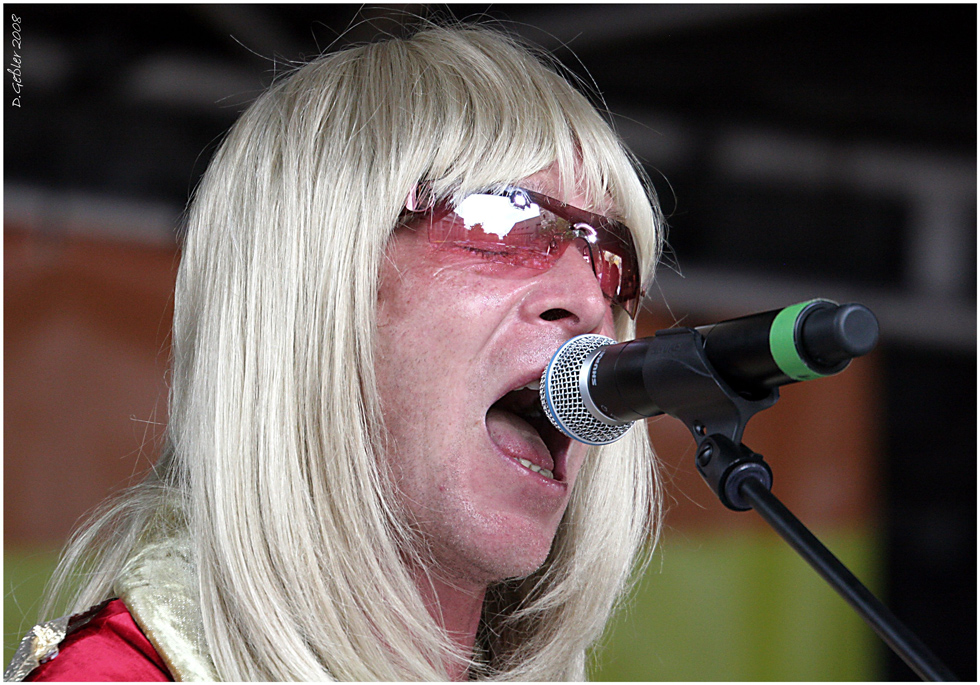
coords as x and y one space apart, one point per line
537 469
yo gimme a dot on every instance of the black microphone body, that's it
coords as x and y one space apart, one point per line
678 371
819 338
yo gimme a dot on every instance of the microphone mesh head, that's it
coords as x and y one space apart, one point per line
561 393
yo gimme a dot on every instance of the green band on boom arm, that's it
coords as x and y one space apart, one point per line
782 343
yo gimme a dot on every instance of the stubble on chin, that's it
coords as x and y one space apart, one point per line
494 547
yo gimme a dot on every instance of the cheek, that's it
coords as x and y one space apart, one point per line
577 453
419 297
420 356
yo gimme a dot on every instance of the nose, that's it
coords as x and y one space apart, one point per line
568 293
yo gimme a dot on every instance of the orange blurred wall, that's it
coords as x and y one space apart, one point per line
86 349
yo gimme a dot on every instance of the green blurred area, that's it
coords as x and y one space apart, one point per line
743 606
736 606
25 573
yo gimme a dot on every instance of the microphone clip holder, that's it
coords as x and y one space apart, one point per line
685 385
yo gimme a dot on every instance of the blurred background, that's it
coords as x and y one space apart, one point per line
799 151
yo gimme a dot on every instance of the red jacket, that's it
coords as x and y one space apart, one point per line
110 647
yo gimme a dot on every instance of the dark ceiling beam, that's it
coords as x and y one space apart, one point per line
256 28
611 24
187 81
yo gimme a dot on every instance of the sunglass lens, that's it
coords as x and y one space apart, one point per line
529 230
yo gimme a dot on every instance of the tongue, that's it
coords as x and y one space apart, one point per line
517 438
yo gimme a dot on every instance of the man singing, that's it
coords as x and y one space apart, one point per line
358 483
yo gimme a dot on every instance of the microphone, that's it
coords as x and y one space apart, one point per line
594 388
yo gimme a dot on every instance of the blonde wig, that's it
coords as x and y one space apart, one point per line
275 442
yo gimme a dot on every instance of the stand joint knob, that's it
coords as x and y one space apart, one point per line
726 466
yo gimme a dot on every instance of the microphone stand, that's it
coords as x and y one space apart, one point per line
751 490
716 416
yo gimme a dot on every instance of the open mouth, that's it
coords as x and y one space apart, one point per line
518 425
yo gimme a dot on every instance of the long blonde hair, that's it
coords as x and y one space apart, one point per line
275 435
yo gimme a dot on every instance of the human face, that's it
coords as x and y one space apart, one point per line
458 337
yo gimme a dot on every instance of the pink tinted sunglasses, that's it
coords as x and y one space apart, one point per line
527 229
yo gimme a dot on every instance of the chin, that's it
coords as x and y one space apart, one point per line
527 566
522 564
521 553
